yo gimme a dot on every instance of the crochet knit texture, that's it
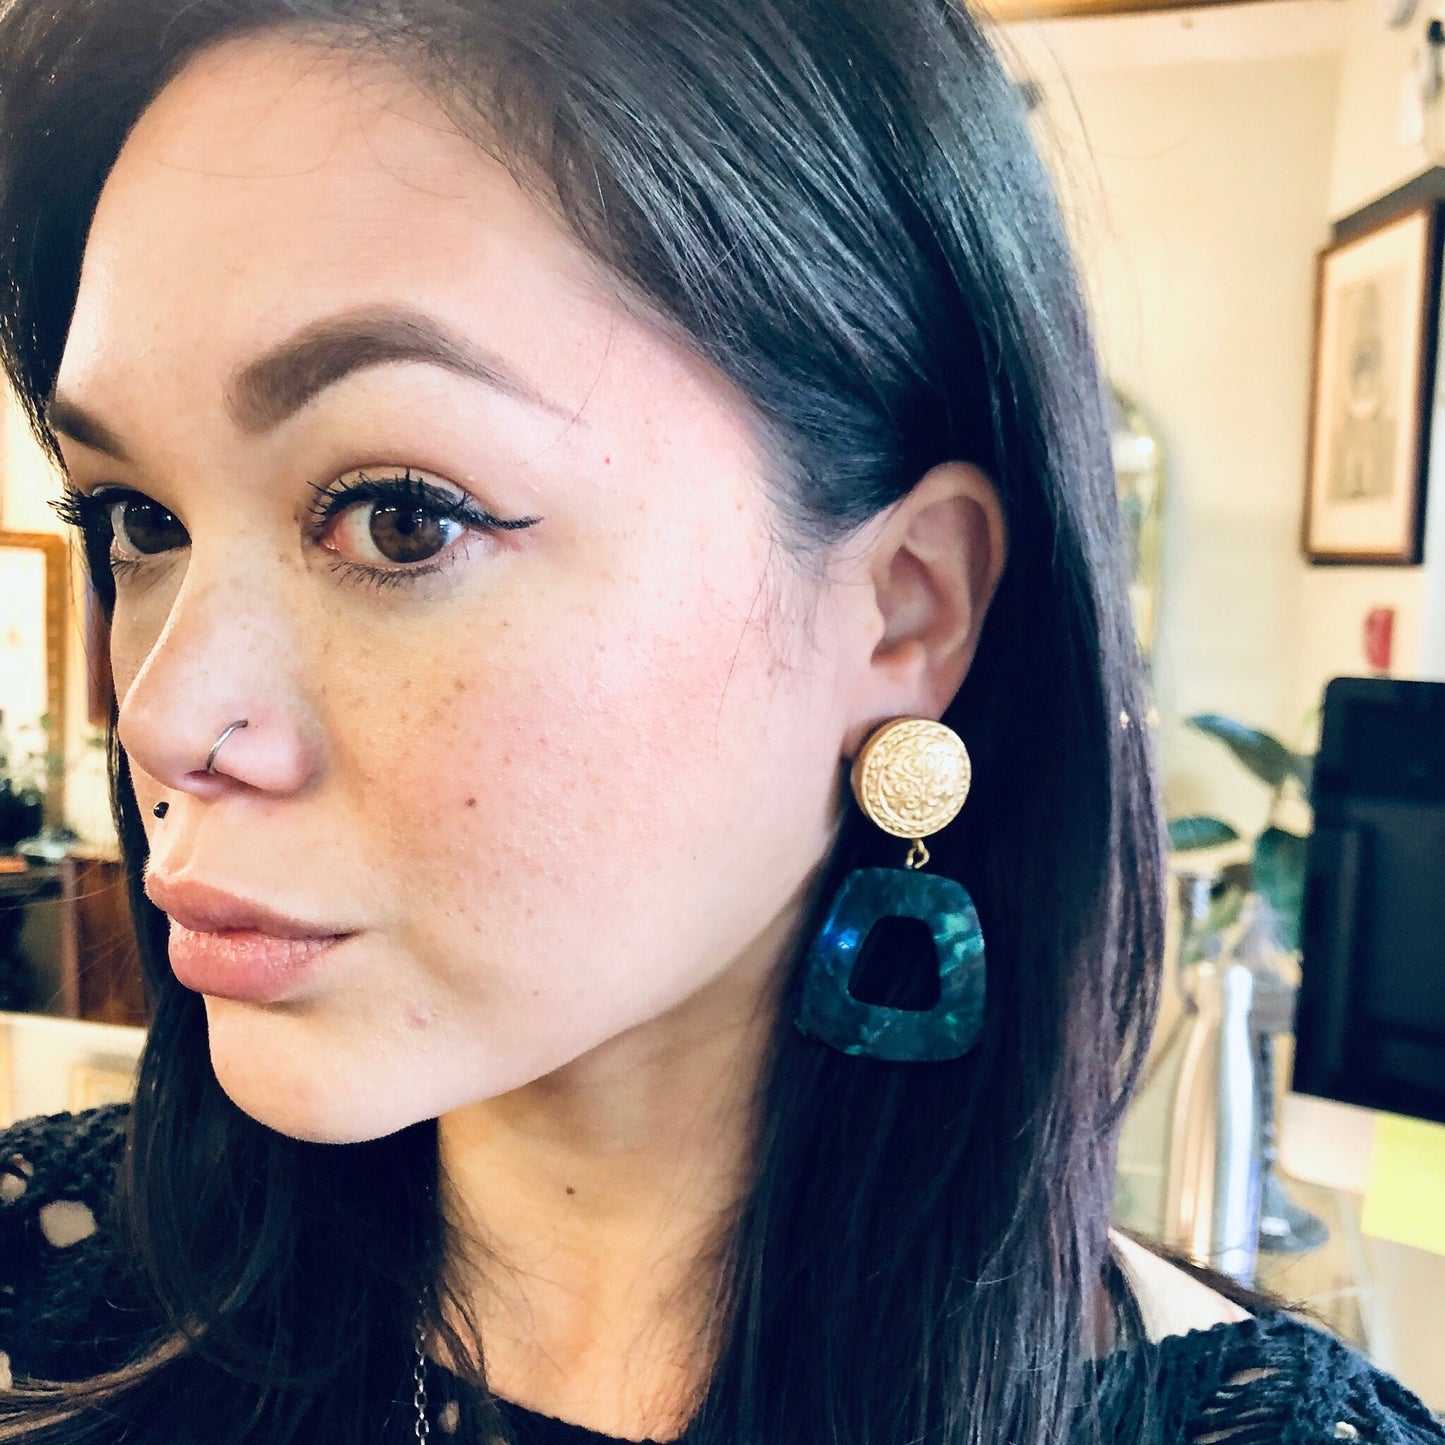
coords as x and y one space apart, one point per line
1268 1380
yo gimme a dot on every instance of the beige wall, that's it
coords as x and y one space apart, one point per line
1197 187
1369 156
1203 158
1196 240
1369 159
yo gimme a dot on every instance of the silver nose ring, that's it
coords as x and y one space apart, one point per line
216 746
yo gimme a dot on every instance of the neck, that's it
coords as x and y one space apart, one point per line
591 1207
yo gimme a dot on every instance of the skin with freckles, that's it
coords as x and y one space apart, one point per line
567 792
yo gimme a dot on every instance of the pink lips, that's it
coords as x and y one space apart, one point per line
242 964
228 947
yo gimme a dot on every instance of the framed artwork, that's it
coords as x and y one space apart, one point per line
1139 483
1376 325
34 593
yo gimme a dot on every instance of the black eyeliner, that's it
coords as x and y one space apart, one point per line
90 513
406 490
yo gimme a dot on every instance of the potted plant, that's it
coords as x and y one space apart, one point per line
1255 905
1275 868
22 787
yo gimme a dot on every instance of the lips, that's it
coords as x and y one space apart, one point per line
205 909
225 946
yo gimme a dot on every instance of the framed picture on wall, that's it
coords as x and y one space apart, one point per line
34 592
1376 325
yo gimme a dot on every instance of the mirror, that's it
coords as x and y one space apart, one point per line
1139 477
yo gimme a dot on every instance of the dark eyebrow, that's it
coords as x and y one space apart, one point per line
265 392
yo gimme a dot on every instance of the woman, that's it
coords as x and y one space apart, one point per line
585 493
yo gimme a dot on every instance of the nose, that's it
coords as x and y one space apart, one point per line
228 653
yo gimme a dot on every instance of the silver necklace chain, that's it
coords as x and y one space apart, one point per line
418 1396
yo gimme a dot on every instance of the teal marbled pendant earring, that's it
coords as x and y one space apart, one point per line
911 778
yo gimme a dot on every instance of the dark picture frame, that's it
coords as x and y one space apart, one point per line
1377 300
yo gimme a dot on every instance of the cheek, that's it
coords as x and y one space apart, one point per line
140 615
589 789
547 754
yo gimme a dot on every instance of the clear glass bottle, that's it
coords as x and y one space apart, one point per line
1212 1190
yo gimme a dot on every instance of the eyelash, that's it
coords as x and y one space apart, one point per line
89 512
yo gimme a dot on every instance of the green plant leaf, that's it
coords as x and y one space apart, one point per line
1186 835
1261 752
1279 875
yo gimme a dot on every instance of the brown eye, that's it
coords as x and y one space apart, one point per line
387 531
397 533
411 534
142 528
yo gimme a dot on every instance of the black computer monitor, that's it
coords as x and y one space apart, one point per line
1370 1027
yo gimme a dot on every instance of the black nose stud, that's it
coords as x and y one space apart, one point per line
161 809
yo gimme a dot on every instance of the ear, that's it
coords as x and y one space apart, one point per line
928 569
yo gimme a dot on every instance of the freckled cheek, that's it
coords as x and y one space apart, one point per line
567 767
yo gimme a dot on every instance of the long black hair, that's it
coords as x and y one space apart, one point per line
837 204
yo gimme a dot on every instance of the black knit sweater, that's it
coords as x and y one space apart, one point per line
1269 1380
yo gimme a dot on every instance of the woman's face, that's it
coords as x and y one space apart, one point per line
551 783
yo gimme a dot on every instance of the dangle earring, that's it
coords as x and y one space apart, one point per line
911 778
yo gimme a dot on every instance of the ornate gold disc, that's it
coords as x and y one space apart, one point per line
911 777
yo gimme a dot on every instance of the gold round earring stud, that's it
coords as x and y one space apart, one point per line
911 777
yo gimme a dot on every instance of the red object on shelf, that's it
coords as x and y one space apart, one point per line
1379 637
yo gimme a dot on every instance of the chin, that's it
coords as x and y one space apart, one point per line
270 1069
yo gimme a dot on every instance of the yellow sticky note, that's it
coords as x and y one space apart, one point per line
1405 1188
